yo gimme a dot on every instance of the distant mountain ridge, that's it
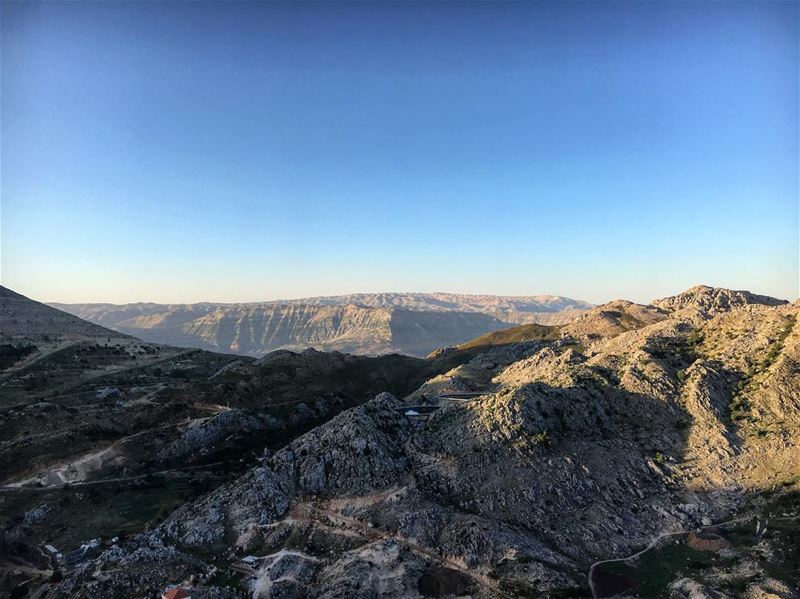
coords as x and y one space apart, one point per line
410 323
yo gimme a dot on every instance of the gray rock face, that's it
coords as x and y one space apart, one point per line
711 301
256 498
356 452
383 569
143 565
686 588
286 574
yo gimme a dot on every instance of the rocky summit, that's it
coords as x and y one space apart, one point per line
636 450
363 323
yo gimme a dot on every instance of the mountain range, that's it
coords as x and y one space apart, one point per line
408 323
638 450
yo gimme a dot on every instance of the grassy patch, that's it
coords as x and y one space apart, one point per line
521 334
651 574
528 442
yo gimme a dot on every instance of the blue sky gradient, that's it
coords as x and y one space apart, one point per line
182 152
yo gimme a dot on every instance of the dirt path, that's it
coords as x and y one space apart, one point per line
316 512
90 376
463 397
71 461
103 481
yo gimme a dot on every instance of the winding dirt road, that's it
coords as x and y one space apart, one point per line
657 540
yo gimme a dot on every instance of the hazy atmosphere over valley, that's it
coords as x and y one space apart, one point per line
399 299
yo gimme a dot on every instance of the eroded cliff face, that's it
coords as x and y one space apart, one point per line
255 330
413 324
349 328
638 421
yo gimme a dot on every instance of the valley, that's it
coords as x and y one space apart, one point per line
372 324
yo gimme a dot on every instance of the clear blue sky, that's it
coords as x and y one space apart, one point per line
246 151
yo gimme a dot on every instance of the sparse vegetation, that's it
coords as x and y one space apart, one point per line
116 508
740 408
776 347
695 338
541 438
11 354
679 352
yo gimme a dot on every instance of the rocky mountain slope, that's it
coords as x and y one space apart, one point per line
520 470
409 323
22 319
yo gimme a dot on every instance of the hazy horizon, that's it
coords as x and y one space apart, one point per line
416 292
242 152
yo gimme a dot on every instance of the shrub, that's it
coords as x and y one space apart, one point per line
694 338
541 438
